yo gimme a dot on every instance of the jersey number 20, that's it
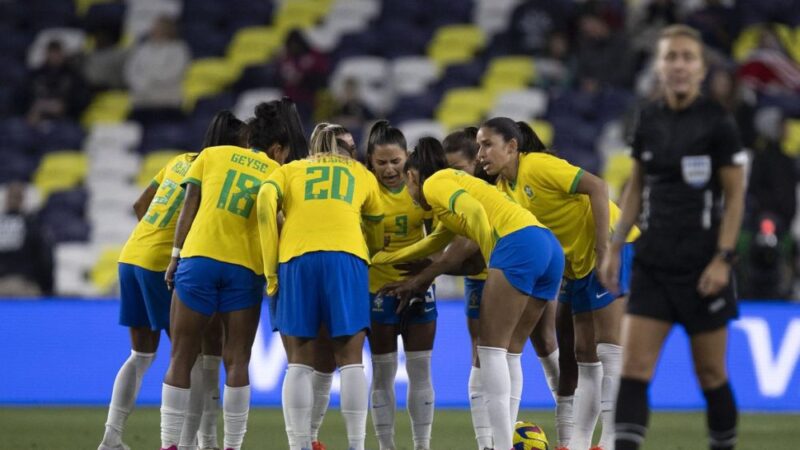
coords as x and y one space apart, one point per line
324 186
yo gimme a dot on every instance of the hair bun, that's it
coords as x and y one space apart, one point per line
268 110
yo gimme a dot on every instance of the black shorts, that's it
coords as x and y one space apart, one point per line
674 298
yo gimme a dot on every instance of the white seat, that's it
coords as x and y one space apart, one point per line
113 195
141 14
372 76
411 75
324 37
111 227
71 39
528 103
366 9
121 166
343 22
416 129
72 264
126 135
248 100
493 16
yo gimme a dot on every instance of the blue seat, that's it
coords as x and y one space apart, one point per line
165 135
15 42
253 77
206 107
72 202
461 75
414 107
59 135
18 165
203 11
364 43
205 40
394 39
104 16
66 227
42 14
243 13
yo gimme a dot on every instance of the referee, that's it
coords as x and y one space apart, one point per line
686 191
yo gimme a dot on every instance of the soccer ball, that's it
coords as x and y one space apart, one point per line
528 436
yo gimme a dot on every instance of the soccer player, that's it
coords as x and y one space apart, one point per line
404 223
574 205
519 282
220 269
686 189
318 269
145 298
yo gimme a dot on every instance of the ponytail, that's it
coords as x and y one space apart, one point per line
427 158
383 133
527 139
268 127
224 129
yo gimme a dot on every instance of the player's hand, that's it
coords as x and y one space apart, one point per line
410 309
715 277
411 268
169 276
609 271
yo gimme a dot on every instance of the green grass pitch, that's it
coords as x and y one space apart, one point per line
82 428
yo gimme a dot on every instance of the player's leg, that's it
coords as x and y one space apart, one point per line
144 342
642 338
709 351
297 395
519 338
545 343
212 358
607 330
586 404
383 345
354 389
473 290
324 366
568 374
418 343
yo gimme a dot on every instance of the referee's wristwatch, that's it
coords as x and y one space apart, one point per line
727 255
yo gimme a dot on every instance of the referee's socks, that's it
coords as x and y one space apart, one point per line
632 414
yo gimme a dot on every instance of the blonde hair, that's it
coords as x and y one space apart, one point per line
681 30
324 139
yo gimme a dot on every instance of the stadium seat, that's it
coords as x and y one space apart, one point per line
125 135
452 118
254 45
520 69
416 129
111 226
120 166
141 15
264 75
493 16
324 38
455 43
413 107
59 171
72 264
248 100
411 75
521 104
207 76
104 272
108 107
373 76
205 40
616 173
468 98
152 163
82 6
365 10
58 135
791 137
300 14
72 40
544 130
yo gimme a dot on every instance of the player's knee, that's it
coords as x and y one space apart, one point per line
585 352
710 375
638 368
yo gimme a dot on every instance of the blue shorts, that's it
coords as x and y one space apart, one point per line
473 292
531 260
384 307
207 286
587 294
145 298
323 287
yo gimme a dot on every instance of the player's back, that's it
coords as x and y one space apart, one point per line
323 200
225 227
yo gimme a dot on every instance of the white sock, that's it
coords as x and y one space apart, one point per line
384 370
587 403
207 435
420 397
515 376
298 399
123 396
496 383
321 383
564 420
174 403
192 421
551 371
611 357
354 404
477 406
235 409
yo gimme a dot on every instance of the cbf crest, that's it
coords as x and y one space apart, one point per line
377 303
528 191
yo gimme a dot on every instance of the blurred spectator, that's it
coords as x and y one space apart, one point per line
26 263
769 69
534 21
351 112
717 23
154 72
556 68
646 23
55 90
303 71
103 68
603 54
725 89
772 185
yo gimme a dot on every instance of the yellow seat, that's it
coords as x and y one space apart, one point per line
444 56
498 85
104 272
60 171
748 39
544 130
453 44
300 14
152 163
253 45
81 6
514 67
468 98
791 137
207 76
107 107
452 118
616 173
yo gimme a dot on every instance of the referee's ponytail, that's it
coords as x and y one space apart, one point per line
427 158
527 139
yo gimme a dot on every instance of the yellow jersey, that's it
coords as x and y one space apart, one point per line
325 199
225 227
466 206
150 244
403 225
546 186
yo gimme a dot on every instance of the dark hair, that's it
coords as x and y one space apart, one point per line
382 133
427 158
527 140
294 126
268 127
224 129
463 141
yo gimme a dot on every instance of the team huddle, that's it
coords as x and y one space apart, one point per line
348 252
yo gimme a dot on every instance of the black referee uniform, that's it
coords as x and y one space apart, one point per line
680 153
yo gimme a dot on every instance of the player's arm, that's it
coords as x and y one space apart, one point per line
630 205
143 202
372 215
191 204
432 243
476 221
267 205
597 190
